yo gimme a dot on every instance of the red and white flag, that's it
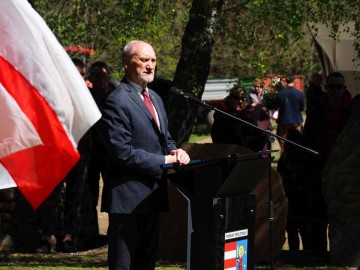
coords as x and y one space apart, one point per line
230 256
45 106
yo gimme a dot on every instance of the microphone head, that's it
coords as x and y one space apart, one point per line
176 91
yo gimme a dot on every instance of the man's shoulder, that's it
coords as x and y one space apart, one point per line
122 90
293 91
154 93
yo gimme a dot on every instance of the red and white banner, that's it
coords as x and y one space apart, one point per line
45 106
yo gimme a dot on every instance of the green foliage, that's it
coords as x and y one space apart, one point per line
107 25
253 38
267 36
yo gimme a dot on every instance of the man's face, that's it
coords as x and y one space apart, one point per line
335 87
140 68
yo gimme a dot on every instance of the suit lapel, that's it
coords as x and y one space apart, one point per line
137 99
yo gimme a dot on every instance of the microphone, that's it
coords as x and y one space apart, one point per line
179 92
186 96
189 97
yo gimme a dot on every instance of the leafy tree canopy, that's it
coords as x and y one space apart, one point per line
252 38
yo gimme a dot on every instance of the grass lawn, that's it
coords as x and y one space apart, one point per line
96 259
91 259
199 138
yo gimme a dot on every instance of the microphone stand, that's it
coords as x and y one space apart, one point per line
270 138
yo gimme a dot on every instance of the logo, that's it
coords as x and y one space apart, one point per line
235 255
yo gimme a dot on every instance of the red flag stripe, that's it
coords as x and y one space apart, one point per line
229 263
37 170
230 246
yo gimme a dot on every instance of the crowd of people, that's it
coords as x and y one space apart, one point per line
326 111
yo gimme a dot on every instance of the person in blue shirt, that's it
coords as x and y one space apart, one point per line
291 104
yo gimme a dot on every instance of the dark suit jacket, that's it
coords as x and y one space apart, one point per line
137 148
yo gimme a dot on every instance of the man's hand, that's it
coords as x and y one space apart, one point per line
177 156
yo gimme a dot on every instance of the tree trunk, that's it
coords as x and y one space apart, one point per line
194 64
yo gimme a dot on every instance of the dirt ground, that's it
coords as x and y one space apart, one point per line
102 216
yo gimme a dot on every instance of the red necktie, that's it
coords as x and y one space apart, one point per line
149 105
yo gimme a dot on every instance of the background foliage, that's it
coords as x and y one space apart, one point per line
197 39
252 38
107 25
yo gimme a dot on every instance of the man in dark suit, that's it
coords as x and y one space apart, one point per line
138 142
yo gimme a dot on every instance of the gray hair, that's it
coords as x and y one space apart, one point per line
128 50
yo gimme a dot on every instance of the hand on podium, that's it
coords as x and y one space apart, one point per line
177 156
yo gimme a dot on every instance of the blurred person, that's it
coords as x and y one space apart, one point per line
256 94
230 131
35 231
313 93
101 85
291 167
270 99
260 113
323 125
321 130
80 65
48 217
291 104
101 81
77 197
77 192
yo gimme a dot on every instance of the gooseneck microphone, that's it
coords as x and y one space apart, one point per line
187 96
179 92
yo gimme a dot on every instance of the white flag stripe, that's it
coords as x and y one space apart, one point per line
17 131
231 268
46 65
230 254
6 180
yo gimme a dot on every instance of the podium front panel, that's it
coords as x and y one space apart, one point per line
213 219
235 230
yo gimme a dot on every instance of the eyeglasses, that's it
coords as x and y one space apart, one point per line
334 86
